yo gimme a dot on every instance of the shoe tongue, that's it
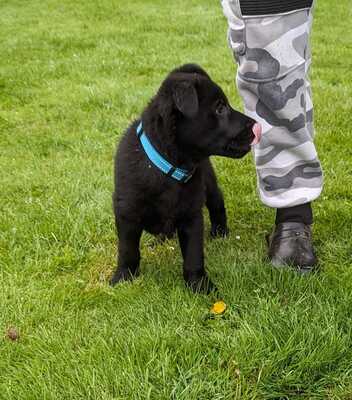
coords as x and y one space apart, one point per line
291 226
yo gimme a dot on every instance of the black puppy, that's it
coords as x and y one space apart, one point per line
163 175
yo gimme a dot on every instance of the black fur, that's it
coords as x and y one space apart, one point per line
187 121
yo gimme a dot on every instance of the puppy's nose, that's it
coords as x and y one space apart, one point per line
257 132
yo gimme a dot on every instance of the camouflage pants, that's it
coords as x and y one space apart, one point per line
273 56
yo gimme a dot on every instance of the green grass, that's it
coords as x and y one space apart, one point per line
72 76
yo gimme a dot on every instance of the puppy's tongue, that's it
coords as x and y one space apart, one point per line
257 131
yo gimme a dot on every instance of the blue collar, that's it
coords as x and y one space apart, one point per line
159 161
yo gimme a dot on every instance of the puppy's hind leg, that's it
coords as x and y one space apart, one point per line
129 235
215 204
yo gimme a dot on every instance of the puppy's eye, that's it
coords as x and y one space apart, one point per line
221 109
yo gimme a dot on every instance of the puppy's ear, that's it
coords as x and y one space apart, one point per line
186 99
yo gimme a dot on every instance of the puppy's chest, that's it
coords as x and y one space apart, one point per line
163 213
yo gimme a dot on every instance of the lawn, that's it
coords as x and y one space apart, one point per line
72 76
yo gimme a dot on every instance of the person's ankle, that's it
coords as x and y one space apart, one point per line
302 214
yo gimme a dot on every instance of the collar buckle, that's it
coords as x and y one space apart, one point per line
188 176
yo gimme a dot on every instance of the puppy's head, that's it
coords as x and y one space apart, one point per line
203 119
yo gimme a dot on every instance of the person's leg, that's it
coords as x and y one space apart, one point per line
270 41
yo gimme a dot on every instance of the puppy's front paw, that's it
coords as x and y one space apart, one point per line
122 275
201 285
219 231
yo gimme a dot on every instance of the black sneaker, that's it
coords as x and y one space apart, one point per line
291 245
